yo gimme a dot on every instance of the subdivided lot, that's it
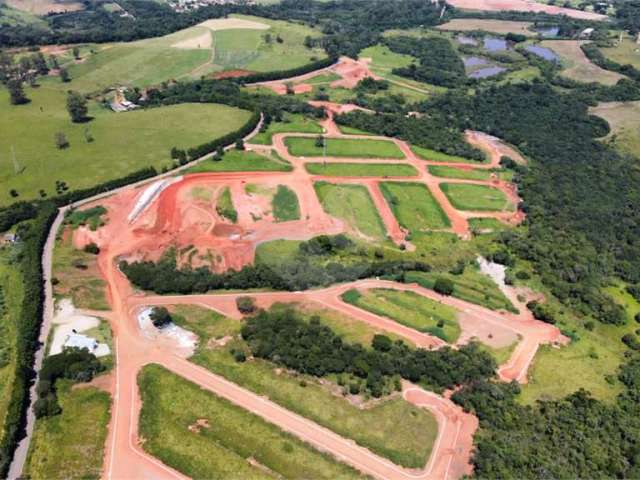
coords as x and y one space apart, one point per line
121 142
623 119
463 173
410 309
414 206
486 225
392 428
204 436
434 156
501 27
285 205
471 286
243 161
361 169
353 204
343 147
292 123
71 444
477 198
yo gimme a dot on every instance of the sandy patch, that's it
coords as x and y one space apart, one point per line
67 320
233 23
199 41
177 337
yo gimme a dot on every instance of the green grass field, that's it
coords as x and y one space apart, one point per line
434 156
410 309
336 169
224 206
623 118
293 123
285 205
392 428
353 204
343 147
625 53
231 436
242 161
123 142
486 225
477 198
414 206
453 172
471 286
71 445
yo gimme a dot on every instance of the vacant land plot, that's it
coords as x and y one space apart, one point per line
477 198
205 436
122 142
243 161
471 286
501 27
410 309
486 225
353 204
414 206
71 444
626 52
361 170
464 173
434 156
623 118
291 124
343 147
384 428
578 66
285 205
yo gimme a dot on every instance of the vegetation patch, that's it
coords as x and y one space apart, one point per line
336 169
285 205
91 217
224 206
434 156
623 118
414 206
289 123
242 161
342 147
463 173
477 198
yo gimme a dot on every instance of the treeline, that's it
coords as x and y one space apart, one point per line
433 131
594 54
312 348
293 72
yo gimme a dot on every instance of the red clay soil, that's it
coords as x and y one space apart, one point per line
524 6
231 74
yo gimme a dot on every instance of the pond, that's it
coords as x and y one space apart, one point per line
487 72
543 52
464 40
495 44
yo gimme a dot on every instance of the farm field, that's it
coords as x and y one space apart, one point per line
226 437
339 169
414 206
434 156
353 204
242 161
293 123
453 172
343 147
623 119
410 309
285 205
122 142
71 444
501 27
476 198
382 427
624 53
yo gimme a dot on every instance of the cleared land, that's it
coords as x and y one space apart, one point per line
501 27
205 436
463 173
292 123
626 52
623 118
243 161
361 170
477 198
122 142
578 66
353 204
434 156
414 206
71 445
285 205
410 309
343 147
381 427
43 7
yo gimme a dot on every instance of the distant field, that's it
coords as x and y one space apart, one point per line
623 118
453 172
43 7
353 204
434 156
501 27
14 17
414 206
627 52
410 309
361 169
242 161
231 435
477 198
123 142
293 123
343 147
577 66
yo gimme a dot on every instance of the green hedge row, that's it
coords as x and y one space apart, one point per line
594 54
294 72
230 138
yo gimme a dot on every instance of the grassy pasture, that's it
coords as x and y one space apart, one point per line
293 123
343 147
625 53
242 161
453 172
476 198
434 156
409 309
623 118
222 447
285 205
414 206
353 204
71 445
336 169
501 27
123 142
392 428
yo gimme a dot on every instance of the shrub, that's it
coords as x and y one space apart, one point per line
92 248
381 343
160 317
444 286
246 305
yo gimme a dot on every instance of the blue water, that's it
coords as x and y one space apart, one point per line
474 61
495 44
548 32
464 40
543 52
487 72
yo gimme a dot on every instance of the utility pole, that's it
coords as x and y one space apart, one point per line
16 166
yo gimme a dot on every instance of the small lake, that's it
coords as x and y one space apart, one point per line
548 32
464 40
474 61
543 52
495 44
487 72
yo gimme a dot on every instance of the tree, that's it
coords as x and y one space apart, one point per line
53 61
77 107
160 317
16 92
40 64
308 42
319 141
246 305
64 75
60 140
444 286
76 53
240 144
